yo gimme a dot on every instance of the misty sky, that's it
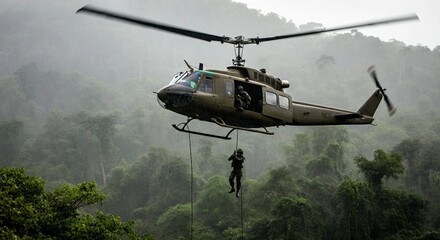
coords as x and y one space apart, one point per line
341 12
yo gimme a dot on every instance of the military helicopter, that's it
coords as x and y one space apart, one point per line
214 95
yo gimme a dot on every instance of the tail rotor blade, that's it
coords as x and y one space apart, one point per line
372 71
390 105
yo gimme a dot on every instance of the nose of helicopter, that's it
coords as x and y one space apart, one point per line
176 95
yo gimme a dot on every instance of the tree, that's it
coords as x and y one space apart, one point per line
370 211
276 184
321 136
29 212
354 209
215 207
293 218
103 127
409 149
65 151
13 102
174 223
297 154
384 165
325 61
11 139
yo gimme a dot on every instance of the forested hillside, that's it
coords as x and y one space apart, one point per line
77 108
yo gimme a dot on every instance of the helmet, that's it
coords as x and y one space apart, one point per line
240 88
239 151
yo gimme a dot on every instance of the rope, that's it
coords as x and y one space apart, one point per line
236 142
241 200
191 187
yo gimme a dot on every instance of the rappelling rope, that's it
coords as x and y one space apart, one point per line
191 187
241 200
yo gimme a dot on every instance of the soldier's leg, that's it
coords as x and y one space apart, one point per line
240 104
238 185
231 181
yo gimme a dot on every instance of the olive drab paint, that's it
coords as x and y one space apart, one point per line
211 95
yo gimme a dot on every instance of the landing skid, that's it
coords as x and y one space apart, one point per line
181 128
221 123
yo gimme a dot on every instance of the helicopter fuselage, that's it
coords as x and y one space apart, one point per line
211 96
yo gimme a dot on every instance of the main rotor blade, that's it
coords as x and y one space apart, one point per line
365 24
152 24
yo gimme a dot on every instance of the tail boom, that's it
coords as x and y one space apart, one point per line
312 114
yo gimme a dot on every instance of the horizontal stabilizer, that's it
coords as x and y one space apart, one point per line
348 116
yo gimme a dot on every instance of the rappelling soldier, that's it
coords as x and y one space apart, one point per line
237 159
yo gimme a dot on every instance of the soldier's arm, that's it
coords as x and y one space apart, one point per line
232 156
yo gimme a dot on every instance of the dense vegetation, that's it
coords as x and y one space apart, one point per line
76 110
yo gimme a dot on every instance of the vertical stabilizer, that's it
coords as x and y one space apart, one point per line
370 106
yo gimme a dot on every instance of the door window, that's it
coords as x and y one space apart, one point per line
271 98
284 102
206 86
229 91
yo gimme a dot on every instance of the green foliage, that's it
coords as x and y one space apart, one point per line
355 209
149 186
28 212
396 211
371 211
297 154
410 150
75 197
175 222
11 140
430 235
215 207
384 165
13 102
276 184
293 218
321 136
320 166
20 199
71 142
232 234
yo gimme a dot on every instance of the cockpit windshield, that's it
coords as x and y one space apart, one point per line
178 77
190 80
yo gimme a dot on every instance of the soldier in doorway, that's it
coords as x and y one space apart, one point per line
242 98
237 159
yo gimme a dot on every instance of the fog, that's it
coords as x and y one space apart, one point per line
63 74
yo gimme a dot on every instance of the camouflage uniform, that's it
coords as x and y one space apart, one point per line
237 164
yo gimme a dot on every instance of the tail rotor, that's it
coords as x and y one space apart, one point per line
390 105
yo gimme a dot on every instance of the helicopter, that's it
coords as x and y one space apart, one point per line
214 96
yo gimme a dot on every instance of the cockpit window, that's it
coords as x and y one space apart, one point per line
179 76
190 80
